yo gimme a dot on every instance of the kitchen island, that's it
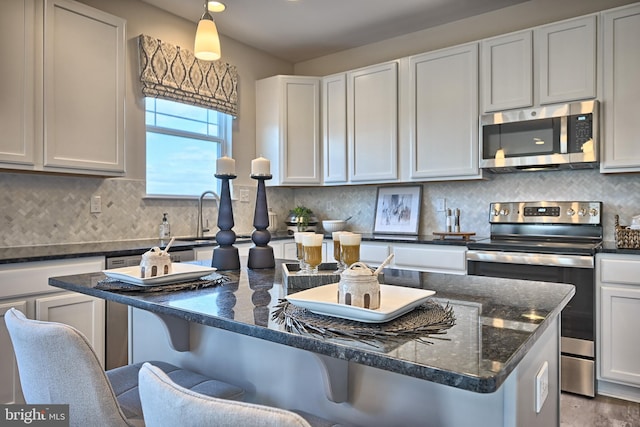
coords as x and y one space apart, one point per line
482 372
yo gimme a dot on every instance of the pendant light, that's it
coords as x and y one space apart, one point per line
207 43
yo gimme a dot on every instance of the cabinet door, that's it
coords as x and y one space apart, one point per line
83 312
444 114
84 56
620 347
334 128
10 390
621 90
566 60
288 128
17 85
507 73
372 121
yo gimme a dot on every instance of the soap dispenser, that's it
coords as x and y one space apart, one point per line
165 227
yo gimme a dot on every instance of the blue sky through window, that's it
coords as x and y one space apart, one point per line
183 143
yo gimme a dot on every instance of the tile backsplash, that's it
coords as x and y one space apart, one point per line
48 209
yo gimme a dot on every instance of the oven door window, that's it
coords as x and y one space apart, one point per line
520 139
578 317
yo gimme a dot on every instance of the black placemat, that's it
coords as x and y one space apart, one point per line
426 320
213 279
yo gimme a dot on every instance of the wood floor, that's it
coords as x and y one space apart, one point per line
602 411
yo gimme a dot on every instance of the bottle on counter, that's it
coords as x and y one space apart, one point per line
164 228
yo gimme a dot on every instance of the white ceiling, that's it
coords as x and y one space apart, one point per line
304 29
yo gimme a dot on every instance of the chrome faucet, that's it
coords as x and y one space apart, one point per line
201 230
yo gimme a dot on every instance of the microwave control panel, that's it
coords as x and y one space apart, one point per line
580 131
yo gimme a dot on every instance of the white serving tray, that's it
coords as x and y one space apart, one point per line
394 302
181 272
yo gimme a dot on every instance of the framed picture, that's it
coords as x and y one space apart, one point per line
398 210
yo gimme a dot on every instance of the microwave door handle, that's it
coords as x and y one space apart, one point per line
563 135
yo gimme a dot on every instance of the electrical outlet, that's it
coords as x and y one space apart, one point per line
96 204
244 195
441 205
542 386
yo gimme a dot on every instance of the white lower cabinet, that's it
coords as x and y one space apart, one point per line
618 314
10 390
416 256
25 286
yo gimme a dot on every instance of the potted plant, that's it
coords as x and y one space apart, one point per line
302 215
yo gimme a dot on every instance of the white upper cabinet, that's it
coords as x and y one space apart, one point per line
566 60
507 72
549 64
288 128
84 55
17 85
64 85
334 128
621 89
443 108
372 123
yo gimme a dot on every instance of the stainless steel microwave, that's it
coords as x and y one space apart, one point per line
560 136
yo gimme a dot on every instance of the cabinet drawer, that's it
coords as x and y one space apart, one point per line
373 253
437 258
625 271
33 277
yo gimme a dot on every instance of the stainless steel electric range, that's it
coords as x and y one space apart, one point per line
554 242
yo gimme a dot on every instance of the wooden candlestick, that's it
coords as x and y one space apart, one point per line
225 256
261 255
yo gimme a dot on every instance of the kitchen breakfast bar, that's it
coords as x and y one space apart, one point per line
497 366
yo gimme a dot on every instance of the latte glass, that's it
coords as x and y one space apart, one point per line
350 248
297 237
337 251
312 247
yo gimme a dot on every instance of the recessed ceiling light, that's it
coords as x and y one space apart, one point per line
215 6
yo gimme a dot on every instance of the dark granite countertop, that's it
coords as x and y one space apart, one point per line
611 248
18 254
108 249
497 321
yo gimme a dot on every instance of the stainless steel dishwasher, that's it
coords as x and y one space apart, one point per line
116 321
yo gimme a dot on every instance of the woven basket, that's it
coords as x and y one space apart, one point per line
625 237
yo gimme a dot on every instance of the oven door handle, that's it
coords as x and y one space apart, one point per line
556 260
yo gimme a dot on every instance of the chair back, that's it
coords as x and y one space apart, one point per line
58 366
164 403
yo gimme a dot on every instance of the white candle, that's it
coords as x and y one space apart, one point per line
260 167
225 166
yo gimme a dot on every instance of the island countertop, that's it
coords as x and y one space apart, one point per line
497 320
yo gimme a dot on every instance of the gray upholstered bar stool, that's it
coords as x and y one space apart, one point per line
58 366
166 403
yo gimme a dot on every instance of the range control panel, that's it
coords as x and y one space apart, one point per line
546 212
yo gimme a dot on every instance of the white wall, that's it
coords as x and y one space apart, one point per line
252 65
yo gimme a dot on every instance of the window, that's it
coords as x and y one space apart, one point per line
183 143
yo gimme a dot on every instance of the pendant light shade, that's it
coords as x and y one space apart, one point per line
207 44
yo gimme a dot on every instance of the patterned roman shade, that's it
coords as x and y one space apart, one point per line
169 72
